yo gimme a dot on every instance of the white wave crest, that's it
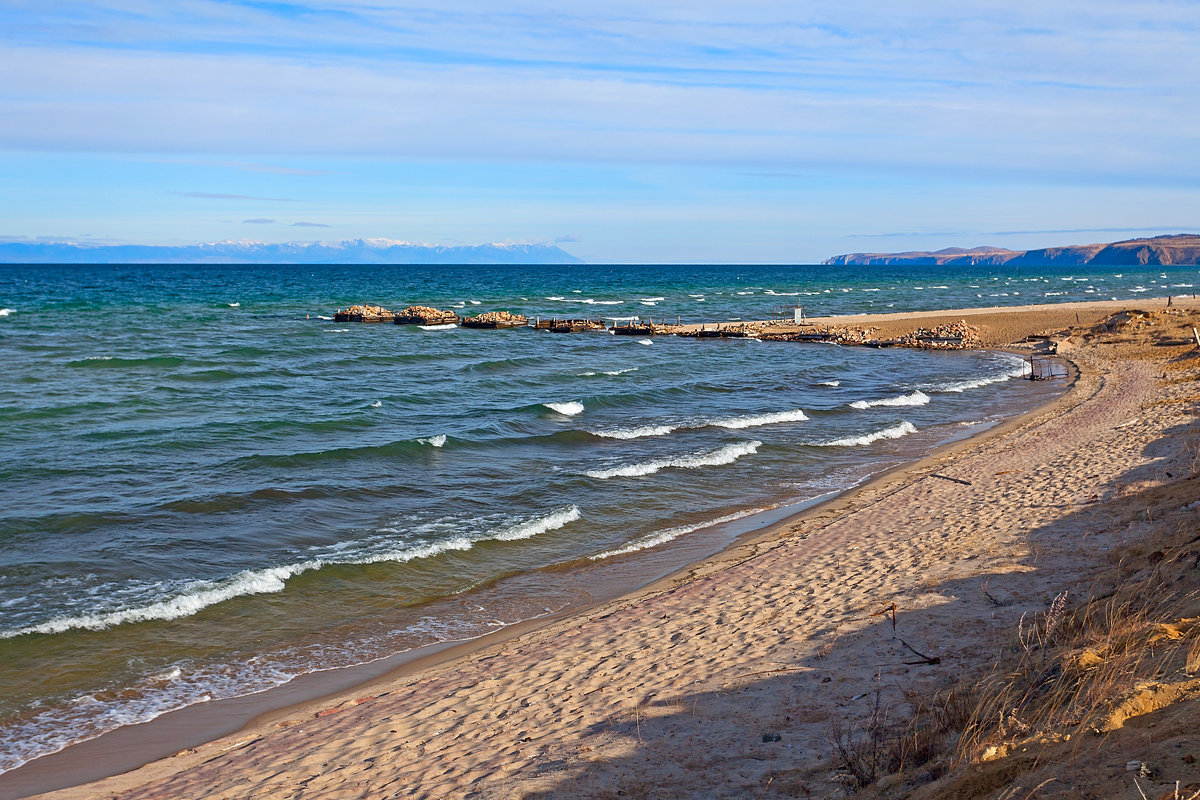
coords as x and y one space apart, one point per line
337 330
829 383
434 441
566 409
664 536
4 312
447 326
636 433
377 404
645 341
1015 371
715 458
531 528
234 305
917 398
894 432
753 421
195 596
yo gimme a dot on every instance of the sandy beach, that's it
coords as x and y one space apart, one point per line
731 678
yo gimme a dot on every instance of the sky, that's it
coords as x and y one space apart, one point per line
645 132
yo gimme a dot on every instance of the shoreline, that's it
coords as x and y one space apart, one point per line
468 655
129 748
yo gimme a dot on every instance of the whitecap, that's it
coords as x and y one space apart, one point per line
668 534
195 596
434 441
322 316
474 302
556 298
377 404
653 299
337 330
4 312
649 303
636 433
622 371
531 528
234 305
645 341
755 420
714 458
569 409
1016 370
917 398
829 383
445 327
894 432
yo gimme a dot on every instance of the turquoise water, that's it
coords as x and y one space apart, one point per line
209 486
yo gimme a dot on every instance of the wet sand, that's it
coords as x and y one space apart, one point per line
727 677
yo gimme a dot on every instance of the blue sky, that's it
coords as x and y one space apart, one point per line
629 131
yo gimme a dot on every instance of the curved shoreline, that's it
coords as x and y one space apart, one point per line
447 658
130 747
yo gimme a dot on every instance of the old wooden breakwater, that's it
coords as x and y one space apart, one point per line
948 336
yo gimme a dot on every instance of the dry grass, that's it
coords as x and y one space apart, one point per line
1070 668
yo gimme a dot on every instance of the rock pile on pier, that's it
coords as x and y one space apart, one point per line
500 318
950 336
364 313
421 311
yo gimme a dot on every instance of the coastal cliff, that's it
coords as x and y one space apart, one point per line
1181 248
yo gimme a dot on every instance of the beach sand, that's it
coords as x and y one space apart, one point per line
729 679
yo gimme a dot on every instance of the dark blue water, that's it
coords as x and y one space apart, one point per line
208 486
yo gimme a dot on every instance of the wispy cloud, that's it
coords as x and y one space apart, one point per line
1069 90
310 225
259 221
215 196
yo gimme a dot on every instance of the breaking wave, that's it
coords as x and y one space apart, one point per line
194 596
566 409
669 534
894 432
917 398
714 458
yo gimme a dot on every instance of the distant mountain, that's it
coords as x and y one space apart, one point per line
1183 248
350 251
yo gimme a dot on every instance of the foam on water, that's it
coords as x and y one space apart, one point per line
755 420
894 432
192 597
645 341
829 383
434 441
235 305
713 458
1016 369
566 409
4 312
636 433
447 326
917 398
670 534
377 404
